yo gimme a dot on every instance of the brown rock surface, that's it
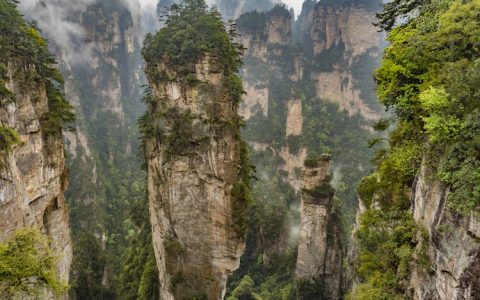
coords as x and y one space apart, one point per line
34 176
190 187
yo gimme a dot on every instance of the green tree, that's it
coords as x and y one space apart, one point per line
429 77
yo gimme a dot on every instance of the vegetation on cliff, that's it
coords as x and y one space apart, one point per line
267 268
8 139
25 53
191 31
27 266
194 32
429 77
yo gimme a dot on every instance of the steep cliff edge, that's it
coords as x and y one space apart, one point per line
453 244
198 170
319 258
98 46
33 111
418 234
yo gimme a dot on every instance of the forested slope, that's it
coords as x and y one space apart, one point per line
418 236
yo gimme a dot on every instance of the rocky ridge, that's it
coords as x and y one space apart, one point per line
342 36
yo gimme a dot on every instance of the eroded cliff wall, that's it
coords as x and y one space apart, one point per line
33 112
452 245
34 175
344 46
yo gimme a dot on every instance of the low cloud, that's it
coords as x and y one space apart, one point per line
59 22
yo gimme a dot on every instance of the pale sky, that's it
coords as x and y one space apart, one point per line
296 4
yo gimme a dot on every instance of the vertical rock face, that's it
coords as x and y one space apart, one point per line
343 41
98 46
33 176
268 38
193 164
453 245
319 251
279 27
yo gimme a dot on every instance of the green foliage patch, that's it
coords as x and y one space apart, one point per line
324 190
8 139
27 266
22 45
191 31
139 277
253 22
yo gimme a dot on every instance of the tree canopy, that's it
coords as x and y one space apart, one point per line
192 30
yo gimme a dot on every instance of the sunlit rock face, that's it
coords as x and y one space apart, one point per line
192 167
319 257
453 245
33 177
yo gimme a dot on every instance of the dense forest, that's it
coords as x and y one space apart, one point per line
185 153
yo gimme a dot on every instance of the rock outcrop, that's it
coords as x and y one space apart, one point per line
272 56
193 171
33 175
319 258
345 48
452 246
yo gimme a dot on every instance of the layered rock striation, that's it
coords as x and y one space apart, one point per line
319 258
33 177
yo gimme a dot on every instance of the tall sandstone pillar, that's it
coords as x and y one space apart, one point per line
319 257
193 164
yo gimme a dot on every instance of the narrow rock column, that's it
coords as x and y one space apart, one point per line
194 165
319 251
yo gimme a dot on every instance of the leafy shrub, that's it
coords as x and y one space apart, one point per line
8 139
387 243
324 190
27 266
307 289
